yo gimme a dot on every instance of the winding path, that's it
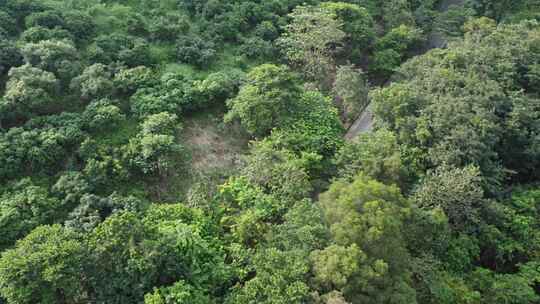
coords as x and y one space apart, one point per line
364 123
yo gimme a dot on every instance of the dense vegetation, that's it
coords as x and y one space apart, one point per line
104 197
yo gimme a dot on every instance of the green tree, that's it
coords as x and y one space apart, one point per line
152 153
257 48
357 23
10 56
179 293
279 172
92 210
122 247
162 123
24 208
22 8
154 149
195 50
128 81
461 113
94 82
517 289
29 91
166 26
266 101
375 154
103 165
366 220
45 267
70 187
396 13
303 228
38 33
335 265
394 47
315 128
102 114
216 88
280 279
127 49
288 245
151 101
41 148
134 254
511 236
248 211
497 9
458 192
58 57
451 22
79 23
48 19
8 25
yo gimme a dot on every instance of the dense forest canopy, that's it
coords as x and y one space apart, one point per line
194 151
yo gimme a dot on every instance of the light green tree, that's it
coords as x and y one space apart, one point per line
45 267
369 262
311 40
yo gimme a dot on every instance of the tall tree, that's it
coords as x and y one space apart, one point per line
311 40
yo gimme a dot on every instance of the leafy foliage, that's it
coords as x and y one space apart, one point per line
114 112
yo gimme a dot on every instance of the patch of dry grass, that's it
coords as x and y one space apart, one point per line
216 151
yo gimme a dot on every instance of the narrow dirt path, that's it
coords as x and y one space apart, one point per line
364 123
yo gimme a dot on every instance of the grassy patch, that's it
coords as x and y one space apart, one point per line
215 151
